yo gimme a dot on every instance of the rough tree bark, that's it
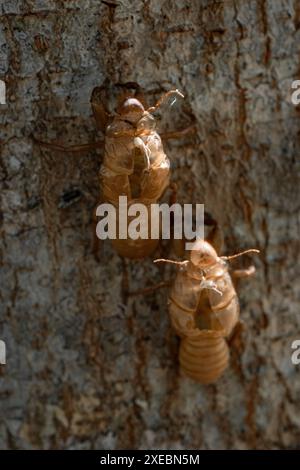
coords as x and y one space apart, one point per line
87 365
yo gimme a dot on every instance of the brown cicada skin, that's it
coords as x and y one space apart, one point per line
136 166
204 311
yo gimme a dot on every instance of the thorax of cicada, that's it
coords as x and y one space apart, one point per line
216 288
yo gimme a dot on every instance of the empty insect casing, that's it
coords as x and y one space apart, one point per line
204 310
134 166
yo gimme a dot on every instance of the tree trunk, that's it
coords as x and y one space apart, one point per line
88 365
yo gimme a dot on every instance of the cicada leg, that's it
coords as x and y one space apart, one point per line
243 273
236 340
72 148
189 130
150 289
164 98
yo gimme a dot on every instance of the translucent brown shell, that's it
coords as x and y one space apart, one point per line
205 357
204 310
135 166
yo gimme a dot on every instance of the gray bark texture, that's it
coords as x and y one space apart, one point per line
89 366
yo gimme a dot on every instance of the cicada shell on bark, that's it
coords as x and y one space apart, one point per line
204 311
135 165
204 358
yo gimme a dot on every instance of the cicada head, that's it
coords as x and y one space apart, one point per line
203 255
131 110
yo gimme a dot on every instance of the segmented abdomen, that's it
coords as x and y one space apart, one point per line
204 358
